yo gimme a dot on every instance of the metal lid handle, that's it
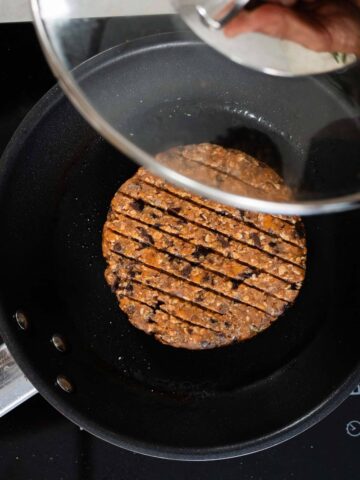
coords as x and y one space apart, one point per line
228 11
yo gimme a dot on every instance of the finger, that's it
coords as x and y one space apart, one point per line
281 22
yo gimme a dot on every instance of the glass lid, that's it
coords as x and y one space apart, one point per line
176 102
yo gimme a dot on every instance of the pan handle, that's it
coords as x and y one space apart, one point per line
15 388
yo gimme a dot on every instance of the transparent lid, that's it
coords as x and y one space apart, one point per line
150 86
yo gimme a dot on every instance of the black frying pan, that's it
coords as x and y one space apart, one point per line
57 178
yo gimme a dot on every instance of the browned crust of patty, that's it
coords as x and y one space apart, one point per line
196 274
189 312
210 261
169 220
226 226
178 289
169 329
192 272
229 169
279 225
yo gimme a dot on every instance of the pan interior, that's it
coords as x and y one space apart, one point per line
102 326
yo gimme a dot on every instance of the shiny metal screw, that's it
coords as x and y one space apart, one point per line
21 320
64 384
59 342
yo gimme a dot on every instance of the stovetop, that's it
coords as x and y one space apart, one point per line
37 443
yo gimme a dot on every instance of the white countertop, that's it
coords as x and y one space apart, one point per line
15 11
19 10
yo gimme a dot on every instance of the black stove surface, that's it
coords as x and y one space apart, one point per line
37 443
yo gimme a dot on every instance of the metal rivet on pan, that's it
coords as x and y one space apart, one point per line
22 320
64 384
58 342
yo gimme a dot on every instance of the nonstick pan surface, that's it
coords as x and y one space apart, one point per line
57 179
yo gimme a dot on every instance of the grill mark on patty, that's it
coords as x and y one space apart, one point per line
247 185
273 309
242 280
182 308
184 155
182 320
239 262
210 302
252 233
220 209
280 266
225 213
261 278
155 206
187 270
169 330
123 294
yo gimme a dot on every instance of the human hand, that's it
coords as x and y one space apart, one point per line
320 25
